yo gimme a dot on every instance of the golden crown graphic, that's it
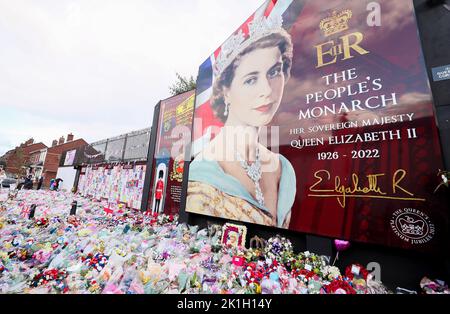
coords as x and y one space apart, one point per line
335 23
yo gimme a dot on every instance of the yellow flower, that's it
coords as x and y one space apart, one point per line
84 232
145 278
359 282
4 256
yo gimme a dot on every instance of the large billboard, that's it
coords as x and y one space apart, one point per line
168 164
317 116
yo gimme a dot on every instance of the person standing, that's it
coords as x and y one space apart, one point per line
2 177
28 184
58 181
41 180
52 184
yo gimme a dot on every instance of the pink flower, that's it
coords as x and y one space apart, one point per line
206 249
112 289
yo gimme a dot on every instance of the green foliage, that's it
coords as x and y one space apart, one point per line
182 85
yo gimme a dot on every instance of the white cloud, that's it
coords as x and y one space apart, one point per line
97 68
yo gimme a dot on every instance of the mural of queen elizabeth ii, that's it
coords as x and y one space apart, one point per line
279 74
236 176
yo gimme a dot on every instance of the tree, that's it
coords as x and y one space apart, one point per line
182 85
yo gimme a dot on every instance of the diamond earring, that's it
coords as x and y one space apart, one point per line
225 113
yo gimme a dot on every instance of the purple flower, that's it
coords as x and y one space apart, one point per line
276 248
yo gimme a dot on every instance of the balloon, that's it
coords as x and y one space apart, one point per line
341 245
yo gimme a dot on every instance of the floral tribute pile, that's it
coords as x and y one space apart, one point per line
127 252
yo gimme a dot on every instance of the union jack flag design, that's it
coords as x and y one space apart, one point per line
204 131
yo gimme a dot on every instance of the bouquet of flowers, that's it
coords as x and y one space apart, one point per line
47 276
331 272
339 287
306 264
279 248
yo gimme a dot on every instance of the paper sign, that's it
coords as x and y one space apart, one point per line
356 269
441 73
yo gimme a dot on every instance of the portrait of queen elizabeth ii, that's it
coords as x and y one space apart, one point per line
236 176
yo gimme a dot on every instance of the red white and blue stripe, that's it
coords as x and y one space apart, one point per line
203 133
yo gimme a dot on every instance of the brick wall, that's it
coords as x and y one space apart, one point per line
52 159
20 156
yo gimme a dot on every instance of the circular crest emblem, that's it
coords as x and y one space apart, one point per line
412 225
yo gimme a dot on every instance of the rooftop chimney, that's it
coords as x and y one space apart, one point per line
70 137
61 140
54 143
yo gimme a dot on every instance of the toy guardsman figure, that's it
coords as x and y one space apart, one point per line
159 190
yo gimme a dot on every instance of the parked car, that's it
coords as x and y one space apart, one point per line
6 183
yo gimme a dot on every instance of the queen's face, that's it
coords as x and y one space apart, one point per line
257 87
232 238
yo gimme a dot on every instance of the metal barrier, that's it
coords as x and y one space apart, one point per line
132 146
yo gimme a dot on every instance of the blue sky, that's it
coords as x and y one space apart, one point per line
96 68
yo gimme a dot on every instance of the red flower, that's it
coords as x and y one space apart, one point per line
252 265
362 271
339 284
306 273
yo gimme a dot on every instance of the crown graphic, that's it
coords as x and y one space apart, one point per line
257 243
335 23
258 28
411 226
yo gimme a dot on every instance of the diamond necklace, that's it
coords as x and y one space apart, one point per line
254 173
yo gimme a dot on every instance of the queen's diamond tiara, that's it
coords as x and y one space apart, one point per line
258 28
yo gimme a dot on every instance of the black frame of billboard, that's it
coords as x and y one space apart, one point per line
403 268
432 50
150 157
